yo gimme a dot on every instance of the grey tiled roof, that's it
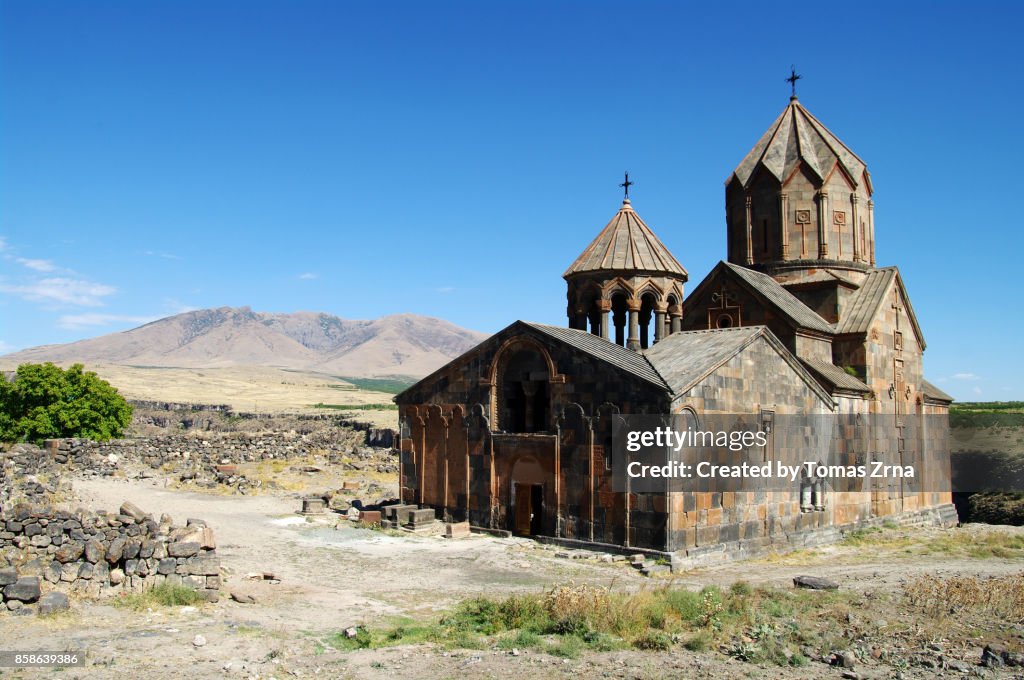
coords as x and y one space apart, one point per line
626 243
798 138
933 392
605 350
784 301
833 377
684 358
860 312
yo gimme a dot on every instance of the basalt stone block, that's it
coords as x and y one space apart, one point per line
116 550
132 548
87 570
69 572
8 575
204 565
131 514
815 583
167 566
183 549
94 551
69 552
53 602
25 589
147 548
33 529
424 516
369 517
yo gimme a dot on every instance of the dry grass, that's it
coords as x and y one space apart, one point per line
247 389
941 598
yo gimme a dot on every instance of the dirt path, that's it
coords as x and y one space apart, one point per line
332 578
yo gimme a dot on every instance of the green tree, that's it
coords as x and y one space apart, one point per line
45 401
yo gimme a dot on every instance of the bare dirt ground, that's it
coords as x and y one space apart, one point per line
331 578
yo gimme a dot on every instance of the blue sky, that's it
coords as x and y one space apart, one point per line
452 158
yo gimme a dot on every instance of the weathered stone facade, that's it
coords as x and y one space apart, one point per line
516 434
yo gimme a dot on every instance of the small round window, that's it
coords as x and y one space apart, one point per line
724 321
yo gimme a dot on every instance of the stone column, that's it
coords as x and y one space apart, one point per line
659 321
871 231
605 306
750 241
824 224
783 225
856 227
633 341
675 315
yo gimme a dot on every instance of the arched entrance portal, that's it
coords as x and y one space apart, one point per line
527 497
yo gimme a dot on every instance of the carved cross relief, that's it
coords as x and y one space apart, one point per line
727 312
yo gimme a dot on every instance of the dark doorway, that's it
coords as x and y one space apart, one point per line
529 510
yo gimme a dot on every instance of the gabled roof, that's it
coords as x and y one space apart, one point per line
770 291
605 350
797 138
608 352
866 303
684 359
626 244
934 393
833 378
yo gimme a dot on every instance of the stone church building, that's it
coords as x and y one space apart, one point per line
515 435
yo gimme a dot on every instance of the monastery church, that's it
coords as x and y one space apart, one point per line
515 435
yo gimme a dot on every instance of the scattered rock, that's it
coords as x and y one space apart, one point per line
815 583
199 641
243 598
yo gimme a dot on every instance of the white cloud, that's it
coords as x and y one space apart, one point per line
76 321
158 253
37 265
445 289
3 243
63 291
308 276
966 376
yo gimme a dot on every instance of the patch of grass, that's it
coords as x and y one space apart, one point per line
389 385
991 544
162 595
523 639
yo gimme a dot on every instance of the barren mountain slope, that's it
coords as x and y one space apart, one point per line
403 344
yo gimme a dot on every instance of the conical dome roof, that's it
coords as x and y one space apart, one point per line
797 137
626 244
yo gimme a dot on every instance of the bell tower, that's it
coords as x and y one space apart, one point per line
626 286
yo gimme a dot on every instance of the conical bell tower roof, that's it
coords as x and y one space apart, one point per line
626 245
797 138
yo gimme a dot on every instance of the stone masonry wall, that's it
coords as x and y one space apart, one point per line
97 553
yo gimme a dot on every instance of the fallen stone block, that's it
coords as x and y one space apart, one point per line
815 583
313 506
457 530
53 602
25 589
131 510
369 517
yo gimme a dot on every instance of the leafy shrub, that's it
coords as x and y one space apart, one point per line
45 401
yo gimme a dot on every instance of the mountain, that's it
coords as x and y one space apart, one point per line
397 345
